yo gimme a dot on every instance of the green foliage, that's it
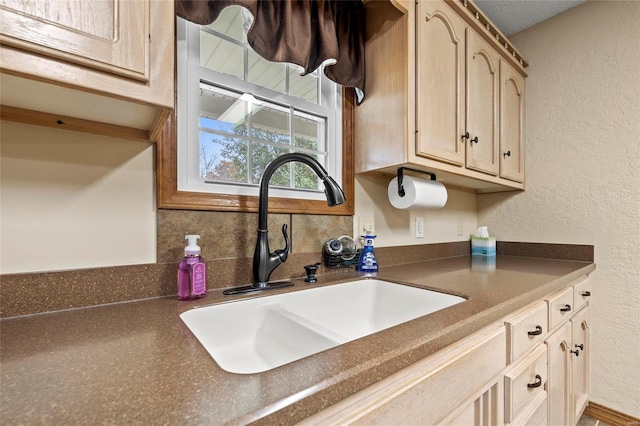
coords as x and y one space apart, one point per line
235 151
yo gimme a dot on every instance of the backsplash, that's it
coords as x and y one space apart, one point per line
225 235
227 241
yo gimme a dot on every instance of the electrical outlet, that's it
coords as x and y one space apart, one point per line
460 228
366 223
419 227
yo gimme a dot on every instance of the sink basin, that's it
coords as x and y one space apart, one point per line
256 335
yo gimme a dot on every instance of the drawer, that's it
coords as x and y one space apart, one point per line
524 381
581 294
525 329
560 307
535 414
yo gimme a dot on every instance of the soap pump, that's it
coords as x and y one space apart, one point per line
368 261
192 272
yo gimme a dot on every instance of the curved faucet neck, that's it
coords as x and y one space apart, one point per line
263 206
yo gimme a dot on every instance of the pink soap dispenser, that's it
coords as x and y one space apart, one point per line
192 272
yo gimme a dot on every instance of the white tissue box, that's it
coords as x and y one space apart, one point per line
483 246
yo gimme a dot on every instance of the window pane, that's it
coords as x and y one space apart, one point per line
223 110
223 158
308 130
234 21
303 87
270 123
271 75
261 156
305 178
221 55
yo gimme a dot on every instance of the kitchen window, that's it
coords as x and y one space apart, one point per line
236 112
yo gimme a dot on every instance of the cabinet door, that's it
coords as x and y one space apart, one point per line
107 35
511 123
440 47
482 104
559 376
580 331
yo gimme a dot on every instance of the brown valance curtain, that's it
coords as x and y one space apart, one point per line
303 32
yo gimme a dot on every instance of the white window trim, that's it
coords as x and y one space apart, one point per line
188 112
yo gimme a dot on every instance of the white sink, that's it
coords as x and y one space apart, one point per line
255 335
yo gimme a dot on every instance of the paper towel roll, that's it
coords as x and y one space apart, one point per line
419 193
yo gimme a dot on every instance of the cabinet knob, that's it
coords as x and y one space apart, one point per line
566 308
474 140
586 293
465 136
581 346
577 352
537 332
536 384
506 154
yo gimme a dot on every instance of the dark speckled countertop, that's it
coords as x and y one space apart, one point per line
137 363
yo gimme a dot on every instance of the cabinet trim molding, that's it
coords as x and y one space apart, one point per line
481 23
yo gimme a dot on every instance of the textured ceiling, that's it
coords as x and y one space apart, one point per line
513 16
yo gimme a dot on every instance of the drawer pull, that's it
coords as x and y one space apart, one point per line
581 346
537 383
586 293
535 333
566 308
577 352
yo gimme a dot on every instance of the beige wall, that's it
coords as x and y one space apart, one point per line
583 179
70 200
395 227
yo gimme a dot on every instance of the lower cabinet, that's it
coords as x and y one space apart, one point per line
558 386
568 347
532 368
460 380
580 363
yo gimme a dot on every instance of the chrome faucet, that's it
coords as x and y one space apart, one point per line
264 261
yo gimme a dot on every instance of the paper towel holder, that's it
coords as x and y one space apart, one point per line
401 175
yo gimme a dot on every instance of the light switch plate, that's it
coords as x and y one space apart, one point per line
366 223
419 227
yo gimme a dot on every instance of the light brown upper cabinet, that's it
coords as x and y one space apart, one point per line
511 123
445 94
99 67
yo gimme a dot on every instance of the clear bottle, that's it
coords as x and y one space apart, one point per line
192 272
368 261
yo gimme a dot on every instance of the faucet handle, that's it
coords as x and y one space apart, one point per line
283 252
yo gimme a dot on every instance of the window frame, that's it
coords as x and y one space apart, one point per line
169 197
